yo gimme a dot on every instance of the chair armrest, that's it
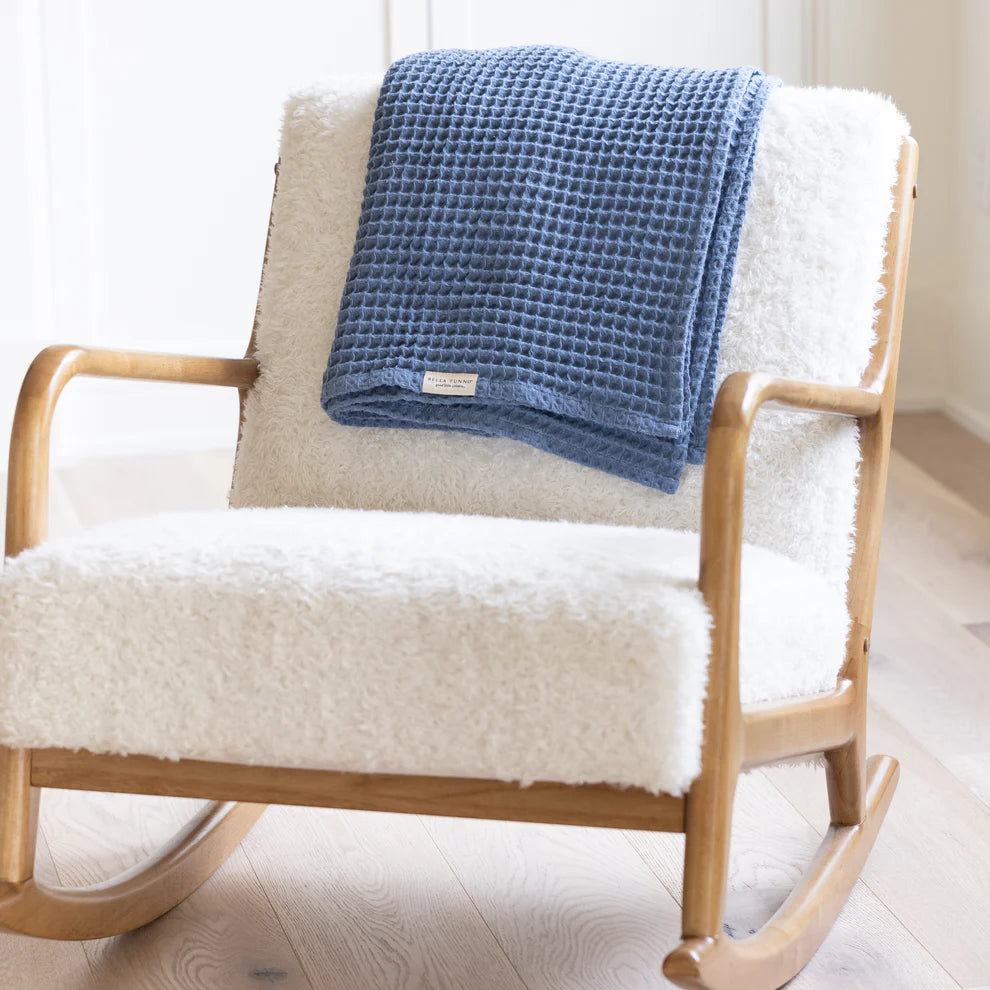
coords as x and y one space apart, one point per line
739 400
743 393
50 372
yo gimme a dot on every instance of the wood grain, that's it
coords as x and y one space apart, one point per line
930 670
140 895
18 816
225 935
938 542
741 396
572 908
587 804
973 770
772 732
772 960
63 508
369 903
782 947
844 766
28 462
772 843
931 863
34 964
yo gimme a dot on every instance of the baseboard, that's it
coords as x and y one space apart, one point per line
909 402
977 422
973 420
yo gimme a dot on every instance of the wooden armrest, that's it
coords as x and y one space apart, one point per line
50 372
739 399
54 366
743 393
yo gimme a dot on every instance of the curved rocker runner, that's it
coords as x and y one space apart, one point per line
138 896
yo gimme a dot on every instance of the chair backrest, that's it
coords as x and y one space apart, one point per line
803 305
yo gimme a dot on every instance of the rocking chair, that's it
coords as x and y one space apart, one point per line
410 621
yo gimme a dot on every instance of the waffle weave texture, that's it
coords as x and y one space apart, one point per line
564 227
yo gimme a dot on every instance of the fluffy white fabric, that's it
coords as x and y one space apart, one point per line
394 642
802 305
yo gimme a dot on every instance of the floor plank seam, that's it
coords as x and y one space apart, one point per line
675 894
981 800
467 894
42 836
307 976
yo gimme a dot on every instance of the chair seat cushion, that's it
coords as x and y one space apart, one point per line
394 642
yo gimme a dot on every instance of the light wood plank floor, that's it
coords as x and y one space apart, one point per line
327 899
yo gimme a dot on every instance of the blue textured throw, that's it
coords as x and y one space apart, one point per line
564 228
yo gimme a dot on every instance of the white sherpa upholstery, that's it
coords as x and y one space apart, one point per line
399 642
802 305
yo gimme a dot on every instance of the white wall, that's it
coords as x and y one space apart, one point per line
668 31
968 399
141 138
934 58
906 48
137 172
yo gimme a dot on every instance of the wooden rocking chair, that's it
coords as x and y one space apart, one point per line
736 736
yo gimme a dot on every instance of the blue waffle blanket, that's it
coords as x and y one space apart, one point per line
544 252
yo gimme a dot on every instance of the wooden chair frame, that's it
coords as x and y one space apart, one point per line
735 738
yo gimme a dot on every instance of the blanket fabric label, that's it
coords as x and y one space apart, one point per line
449 383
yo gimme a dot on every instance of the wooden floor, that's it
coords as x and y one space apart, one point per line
327 899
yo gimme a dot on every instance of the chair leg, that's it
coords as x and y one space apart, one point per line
845 776
135 898
845 767
18 815
708 834
785 944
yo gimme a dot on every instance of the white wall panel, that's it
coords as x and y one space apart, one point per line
184 113
907 49
705 32
969 358
139 200
24 248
